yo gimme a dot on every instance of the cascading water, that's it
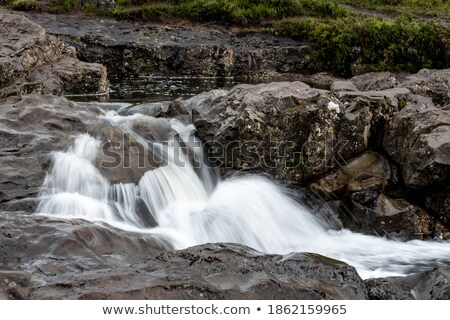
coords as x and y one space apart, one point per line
192 207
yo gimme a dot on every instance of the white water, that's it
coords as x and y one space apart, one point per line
192 208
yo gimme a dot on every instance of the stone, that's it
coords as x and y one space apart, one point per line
433 284
36 62
214 271
131 49
434 84
374 81
363 187
287 129
32 127
339 86
418 141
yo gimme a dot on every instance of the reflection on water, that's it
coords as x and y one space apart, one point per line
142 89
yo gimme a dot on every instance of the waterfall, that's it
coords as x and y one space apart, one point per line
190 206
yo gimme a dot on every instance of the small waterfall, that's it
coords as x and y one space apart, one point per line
191 206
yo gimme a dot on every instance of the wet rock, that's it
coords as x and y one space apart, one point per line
438 202
418 140
172 110
32 61
377 213
428 285
214 271
203 99
369 171
289 130
32 127
363 187
34 249
386 289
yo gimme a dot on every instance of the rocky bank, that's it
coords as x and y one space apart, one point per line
154 49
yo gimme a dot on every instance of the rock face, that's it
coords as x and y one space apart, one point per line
211 271
32 61
137 49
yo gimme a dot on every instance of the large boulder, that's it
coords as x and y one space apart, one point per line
289 129
31 61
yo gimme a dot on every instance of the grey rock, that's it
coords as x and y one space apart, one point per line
339 86
143 49
32 61
32 127
428 285
418 140
214 271
374 81
286 129
434 84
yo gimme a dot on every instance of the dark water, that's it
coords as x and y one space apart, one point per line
146 89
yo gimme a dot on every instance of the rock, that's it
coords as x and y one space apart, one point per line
428 285
32 127
382 215
289 130
438 202
131 49
34 249
362 186
339 86
434 84
374 81
172 110
418 140
36 62
321 80
204 98
369 171
213 271
386 289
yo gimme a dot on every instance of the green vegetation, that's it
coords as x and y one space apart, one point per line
370 43
345 41
430 8
26 5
